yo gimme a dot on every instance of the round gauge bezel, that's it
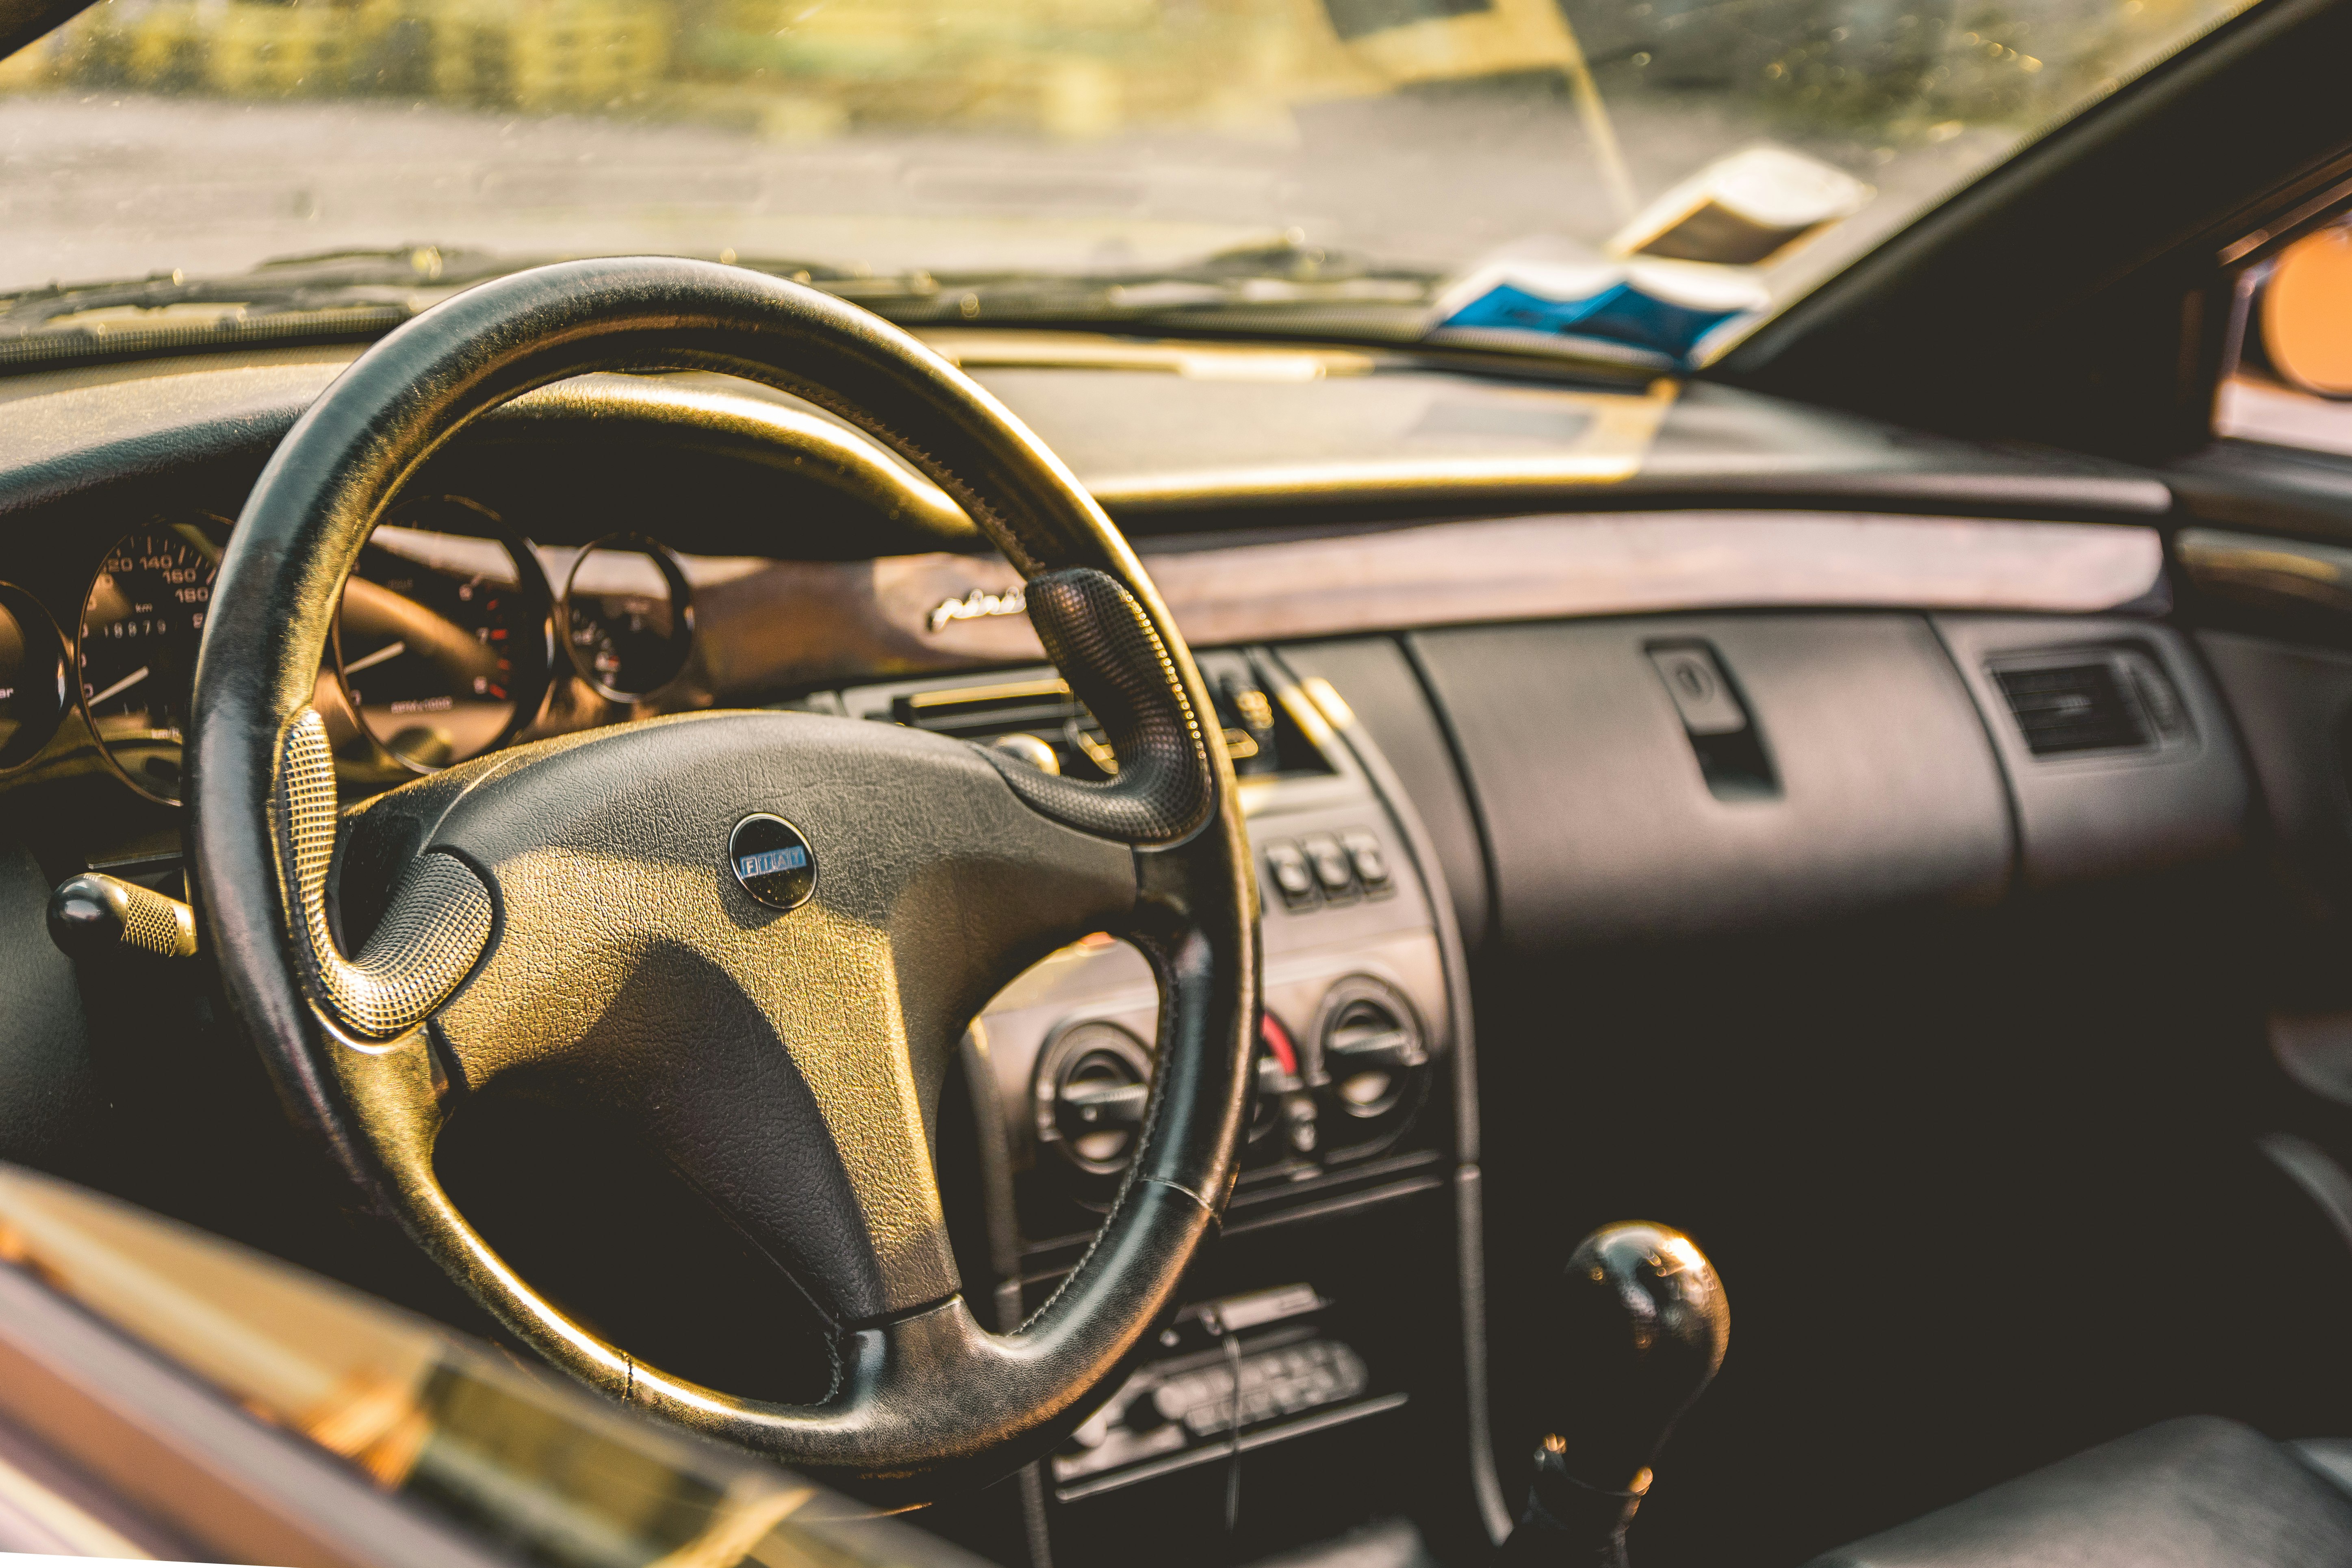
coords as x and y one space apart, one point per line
214 527
37 624
681 600
530 584
1064 1050
1360 1130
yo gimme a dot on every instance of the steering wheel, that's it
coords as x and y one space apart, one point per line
756 936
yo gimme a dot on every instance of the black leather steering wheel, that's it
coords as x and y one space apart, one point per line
571 914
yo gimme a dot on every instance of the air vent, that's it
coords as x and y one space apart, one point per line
1044 710
1374 1064
1041 720
2104 699
1092 1080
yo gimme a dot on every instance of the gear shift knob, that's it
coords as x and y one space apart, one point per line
1643 1325
1642 1322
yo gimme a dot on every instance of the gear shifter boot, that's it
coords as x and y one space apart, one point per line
1642 1322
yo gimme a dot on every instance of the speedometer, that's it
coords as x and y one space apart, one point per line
444 638
136 648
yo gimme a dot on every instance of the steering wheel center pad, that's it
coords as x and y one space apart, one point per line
786 1062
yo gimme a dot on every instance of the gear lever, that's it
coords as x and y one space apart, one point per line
1642 1322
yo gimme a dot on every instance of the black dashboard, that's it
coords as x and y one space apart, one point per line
1662 666
622 546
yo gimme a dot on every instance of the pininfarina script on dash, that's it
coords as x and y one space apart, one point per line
978 603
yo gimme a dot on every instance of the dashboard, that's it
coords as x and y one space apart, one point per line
623 546
1490 705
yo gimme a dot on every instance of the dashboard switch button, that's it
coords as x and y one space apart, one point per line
1364 853
1332 869
1288 865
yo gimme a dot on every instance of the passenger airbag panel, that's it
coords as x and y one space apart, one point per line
1600 814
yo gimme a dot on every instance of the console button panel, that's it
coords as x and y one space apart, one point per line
1328 869
1355 993
1346 1170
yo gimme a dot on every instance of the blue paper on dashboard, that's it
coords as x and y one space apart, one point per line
1658 309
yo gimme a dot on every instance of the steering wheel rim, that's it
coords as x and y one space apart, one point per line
464 944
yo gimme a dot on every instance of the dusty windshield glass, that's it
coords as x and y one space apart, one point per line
1640 178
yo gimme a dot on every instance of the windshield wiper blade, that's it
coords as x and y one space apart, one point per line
1286 276
330 296
346 295
302 283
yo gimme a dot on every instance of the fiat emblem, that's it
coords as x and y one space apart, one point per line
773 862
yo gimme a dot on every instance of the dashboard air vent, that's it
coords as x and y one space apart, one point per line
1044 711
1042 720
2077 707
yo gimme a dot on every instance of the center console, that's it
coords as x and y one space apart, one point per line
1332 1300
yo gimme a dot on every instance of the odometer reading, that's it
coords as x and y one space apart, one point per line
136 648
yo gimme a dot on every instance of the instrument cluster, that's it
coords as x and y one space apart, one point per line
453 638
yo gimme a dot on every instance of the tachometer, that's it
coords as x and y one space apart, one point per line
629 617
135 648
443 642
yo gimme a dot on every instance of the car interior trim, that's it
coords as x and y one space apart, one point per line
2264 572
157 1436
1570 565
1834 810
1470 1225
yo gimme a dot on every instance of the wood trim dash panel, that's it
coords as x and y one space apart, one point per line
803 622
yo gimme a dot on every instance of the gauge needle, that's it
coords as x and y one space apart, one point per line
389 650
123 685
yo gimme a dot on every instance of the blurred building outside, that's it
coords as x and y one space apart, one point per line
1899 70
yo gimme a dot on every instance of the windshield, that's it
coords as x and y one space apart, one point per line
1642 178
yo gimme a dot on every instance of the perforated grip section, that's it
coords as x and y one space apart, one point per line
1105 647
154 923
437 924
